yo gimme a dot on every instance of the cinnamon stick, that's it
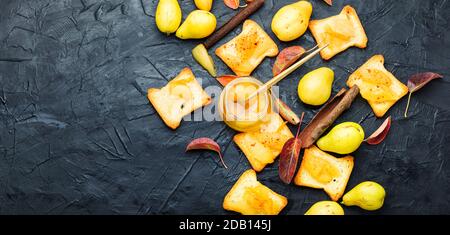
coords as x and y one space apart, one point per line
242 15
327 115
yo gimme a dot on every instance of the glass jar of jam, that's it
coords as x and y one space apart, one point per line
239 113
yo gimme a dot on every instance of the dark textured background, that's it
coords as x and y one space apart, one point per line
78 135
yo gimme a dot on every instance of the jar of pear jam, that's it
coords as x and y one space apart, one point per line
244 115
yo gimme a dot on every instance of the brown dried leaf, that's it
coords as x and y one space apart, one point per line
205 144
287 57
418 81
380 134
289 156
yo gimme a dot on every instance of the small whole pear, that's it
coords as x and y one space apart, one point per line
344 138
368 195
325 208
315 87
291 21
198 24
205 5
168 16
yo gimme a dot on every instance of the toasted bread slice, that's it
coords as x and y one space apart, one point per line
262 147
250 197
377 85
323 171
340 32
178 98
246 51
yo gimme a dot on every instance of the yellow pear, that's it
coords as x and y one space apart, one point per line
205 5
291 21
325 208
168 16
368 195
315 87
344 138
198 24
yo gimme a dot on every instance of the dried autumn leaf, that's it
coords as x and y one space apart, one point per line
286 112
205 144
289 156
233 4
286 58
225 79
329 2
418 81
380 134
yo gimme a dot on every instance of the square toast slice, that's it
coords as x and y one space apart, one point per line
262 147
377 85
247 50
178 98
340 32
250 197
322 171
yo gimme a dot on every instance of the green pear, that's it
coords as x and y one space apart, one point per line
315 87
344 138
368 195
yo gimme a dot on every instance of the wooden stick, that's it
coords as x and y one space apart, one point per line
233 22
285 73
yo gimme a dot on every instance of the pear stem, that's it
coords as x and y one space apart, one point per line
407 104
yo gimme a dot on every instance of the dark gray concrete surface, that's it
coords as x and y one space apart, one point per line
78 135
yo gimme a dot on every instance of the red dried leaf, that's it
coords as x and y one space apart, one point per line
289 156
418 81
329 2
225 79
380 134
233 4
287 57
205 144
